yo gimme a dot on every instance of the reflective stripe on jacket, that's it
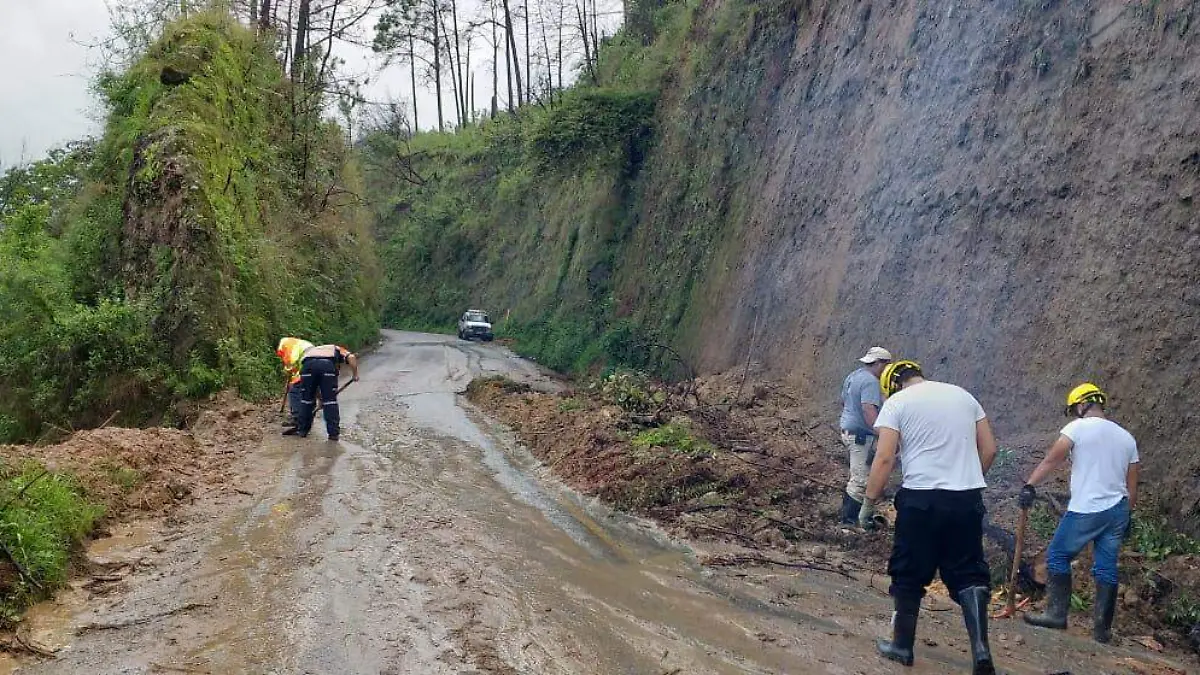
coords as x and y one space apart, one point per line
291 351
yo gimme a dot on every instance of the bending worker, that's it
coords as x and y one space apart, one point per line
946 445
290 351
319 372
1104 475
860 404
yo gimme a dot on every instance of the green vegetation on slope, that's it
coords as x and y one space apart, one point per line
589 227
163 262
43 520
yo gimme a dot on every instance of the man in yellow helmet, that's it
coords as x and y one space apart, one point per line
291 350
1104 475
945 444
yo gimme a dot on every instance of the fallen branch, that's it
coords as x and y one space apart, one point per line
18 645
721 530
734 560
110 419
20 494
21 568
810 479
140 620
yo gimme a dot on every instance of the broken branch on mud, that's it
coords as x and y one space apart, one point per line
140 620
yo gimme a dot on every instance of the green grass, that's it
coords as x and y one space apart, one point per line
674 437
1154 538
41 528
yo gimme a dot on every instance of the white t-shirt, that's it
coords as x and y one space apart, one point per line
1100 457
936 422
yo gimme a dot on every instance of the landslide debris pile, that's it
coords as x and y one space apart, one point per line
752 472
160 263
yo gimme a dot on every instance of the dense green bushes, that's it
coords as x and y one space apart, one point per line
164 261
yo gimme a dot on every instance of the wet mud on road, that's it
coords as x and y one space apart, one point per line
427 541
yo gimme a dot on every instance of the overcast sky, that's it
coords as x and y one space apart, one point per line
46 98
45 82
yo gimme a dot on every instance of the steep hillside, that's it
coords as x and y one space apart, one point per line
1002 190
162 262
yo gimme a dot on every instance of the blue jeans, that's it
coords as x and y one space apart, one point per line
1103 530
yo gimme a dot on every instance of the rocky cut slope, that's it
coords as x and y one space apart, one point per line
1003 190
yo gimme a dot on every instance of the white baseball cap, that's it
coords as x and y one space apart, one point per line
876 354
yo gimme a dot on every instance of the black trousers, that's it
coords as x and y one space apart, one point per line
937 531
319 375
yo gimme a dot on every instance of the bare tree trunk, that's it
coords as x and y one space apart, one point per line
549 66
508 69
583 33
412 62
455 85
528 56
253 9
562 6
437 64
595 32
301 44
495 64
462 73
516 58
264 16
287 51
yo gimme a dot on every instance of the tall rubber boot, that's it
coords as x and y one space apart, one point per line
850 507
1106 607
974 603
1058 592
904 632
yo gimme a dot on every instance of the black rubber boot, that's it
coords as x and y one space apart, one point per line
974 603
1106 607
904 633
290 431
850 508
1058 594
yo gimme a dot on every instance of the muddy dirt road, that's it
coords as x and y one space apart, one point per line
426 541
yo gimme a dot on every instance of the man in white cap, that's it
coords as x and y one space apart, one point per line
861 400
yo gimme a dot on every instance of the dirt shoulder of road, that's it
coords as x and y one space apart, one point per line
125 476
753 474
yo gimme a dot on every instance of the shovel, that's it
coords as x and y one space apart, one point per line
1010 608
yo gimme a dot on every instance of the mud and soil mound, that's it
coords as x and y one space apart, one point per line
748 468
149 471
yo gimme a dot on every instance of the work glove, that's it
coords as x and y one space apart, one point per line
866 514
1028 494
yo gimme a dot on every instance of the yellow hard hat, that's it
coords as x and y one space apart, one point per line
1085 393
889 381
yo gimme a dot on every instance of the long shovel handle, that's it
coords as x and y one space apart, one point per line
1011 608
339 391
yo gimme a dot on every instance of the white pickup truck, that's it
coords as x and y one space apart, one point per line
475 323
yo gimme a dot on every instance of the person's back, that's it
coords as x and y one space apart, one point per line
945 444
1100 459
859 386
937 426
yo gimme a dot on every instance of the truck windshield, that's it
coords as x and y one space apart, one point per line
477 316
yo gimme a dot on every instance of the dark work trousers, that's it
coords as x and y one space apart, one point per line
937 531
294 397
319 375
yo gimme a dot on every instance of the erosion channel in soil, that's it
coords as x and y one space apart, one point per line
428 541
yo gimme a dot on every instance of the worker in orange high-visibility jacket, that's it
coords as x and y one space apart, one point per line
291 352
